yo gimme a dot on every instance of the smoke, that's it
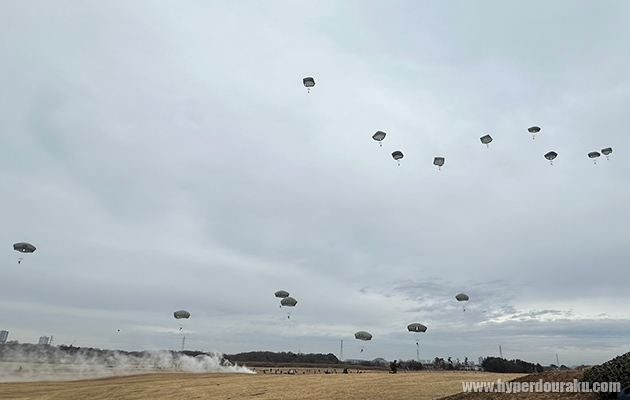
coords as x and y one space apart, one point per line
45 363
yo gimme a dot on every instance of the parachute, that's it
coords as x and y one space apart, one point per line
607 152
533 130
181 314
462 297
594 155
288 302
309 82
486 140
281 294
379 136
23 247
416 327
397 155
551 156
438 161
363 335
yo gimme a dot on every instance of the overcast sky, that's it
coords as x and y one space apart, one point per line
165 155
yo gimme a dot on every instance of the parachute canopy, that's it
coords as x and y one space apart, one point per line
593 154
486 139
533 129
607 151
288 302
181 314
551 155
397 155
309 82
439 161
416 327
24 247
281 294
363 335
462 297
379 136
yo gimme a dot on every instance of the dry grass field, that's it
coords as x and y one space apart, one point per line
369 385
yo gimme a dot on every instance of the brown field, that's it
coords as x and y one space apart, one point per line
368 385
168 385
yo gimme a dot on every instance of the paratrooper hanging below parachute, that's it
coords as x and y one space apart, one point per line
551 156
462 297
23 247
439 162
288 302
593 155
533 130
309 82
379 136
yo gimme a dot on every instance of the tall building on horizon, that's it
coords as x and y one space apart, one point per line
3 336
44 340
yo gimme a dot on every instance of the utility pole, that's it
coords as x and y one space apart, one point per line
500 351
557 361
341 351
183 341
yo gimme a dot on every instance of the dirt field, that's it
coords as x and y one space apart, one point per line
369 385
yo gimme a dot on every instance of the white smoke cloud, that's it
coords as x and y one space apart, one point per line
52 364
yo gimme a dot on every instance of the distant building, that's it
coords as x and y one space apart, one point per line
3 336
44 340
